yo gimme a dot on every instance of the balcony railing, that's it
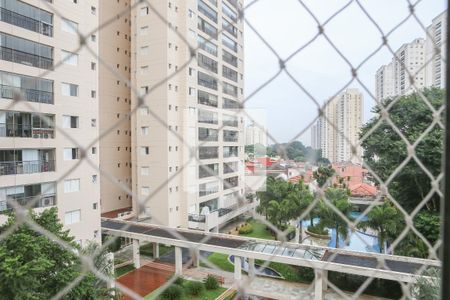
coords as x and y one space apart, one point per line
197 218
26 131
25 58
44 201
19 20
31 95
26 167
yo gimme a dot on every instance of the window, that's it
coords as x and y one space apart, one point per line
94 206
71 153
229 58
206 116
227 26
230 167
144 70
229 43
69 26
94 150
144 11
93 38
144 130
230 121
208 188
93 66
207 28
69 58
72 217
208 134
21 14
230 136
34 89
93 122
207 81
26 52
94 178
144 50
207 11
207 63
227 11
208 152
145 150
70 122
69 89
143 30
231 182
230 151
144 110
145 191
229 89
208 170
93 94
145 171
93 10
71 185
206 45
229 73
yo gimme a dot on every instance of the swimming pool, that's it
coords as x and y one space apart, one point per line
358 240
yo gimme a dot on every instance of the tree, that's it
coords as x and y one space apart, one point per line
428 288
34 267
385 220
384 150
299 200
322 174
329 218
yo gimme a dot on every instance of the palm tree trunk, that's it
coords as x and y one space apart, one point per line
300 238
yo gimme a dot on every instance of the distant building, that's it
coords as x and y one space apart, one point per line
255 135
423 59
338 129
315 136
435 51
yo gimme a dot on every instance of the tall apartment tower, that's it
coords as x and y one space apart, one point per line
55 86
340 127
436 52
254 134
422 58
186 137
393 79
315 135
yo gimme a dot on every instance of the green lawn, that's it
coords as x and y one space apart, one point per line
123 270
259 231
206 295
221 261
147 249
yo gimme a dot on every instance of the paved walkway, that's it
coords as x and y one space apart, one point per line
267 287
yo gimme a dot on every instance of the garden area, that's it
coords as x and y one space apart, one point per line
147 249
182 289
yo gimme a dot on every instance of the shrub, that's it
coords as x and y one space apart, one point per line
317 229
179 281
194 288
211 283
173 292
246 229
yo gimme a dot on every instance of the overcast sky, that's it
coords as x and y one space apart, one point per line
286 26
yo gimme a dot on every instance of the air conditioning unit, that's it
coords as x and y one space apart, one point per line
47 202
123 214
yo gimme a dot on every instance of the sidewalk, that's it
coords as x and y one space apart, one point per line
271 288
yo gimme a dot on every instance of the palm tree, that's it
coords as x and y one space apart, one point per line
384 219
299 201
329 218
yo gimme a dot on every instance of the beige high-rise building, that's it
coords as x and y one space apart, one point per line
423 58
254 134
393 79
188 110
38 162
436 51
340 127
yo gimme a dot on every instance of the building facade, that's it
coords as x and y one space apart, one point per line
255 135
187 106
337 131
46 85
422 60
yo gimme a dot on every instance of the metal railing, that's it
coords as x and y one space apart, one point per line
31 95
43 201
26 167
16 19
25 131
25 58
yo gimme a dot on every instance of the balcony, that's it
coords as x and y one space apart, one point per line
24 58
42 202
25 131
26 167
19 20
8 92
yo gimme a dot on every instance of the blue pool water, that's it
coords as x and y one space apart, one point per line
357 240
